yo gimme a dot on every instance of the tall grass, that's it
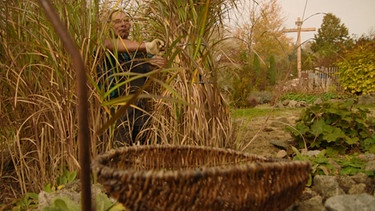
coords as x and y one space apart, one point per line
38 100
192 30
38 126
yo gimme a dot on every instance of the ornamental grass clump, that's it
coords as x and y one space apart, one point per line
197 113
37 90
38 127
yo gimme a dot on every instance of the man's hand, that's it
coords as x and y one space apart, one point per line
158 61
154 47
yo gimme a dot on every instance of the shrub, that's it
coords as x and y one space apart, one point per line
308 98
357 68
262 96
339 127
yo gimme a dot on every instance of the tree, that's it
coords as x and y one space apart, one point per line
263 36
357 67
332 38
272 71
267 33
258 79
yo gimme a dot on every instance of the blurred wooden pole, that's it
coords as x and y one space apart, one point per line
83 124
299 30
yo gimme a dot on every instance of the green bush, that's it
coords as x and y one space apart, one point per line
339 127
357 67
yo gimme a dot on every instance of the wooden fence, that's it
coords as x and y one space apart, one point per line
320 79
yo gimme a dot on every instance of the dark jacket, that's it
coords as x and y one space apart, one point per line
118 75
115 69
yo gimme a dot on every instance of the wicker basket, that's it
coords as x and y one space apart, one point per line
199 178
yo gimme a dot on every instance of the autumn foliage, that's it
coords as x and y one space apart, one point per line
357 67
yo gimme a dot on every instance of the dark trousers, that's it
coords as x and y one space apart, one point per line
129 126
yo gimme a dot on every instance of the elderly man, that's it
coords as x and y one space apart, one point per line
133 59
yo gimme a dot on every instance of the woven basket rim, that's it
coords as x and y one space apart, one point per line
264 163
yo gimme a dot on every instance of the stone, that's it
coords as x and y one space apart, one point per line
71 198
283 120
70 194
370 166
281 154
285 103
313 204
357 189
278 124
318 101
363 202
310 153
302 104
278 105
283 144
292 104
345 182
308 193
367 157
361 178
327 186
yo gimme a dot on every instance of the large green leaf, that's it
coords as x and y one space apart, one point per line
334 135
318 126
351 141
299 130
369 144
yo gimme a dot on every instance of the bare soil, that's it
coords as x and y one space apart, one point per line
259 134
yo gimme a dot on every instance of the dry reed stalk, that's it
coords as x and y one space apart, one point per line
201 117
37 93
37 88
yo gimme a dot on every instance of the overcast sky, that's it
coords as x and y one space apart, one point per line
357 15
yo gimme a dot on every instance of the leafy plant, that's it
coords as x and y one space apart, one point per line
48 188
308 98
323 164
357 68
103 203
338 127
352 165
63 204
28 202
66 177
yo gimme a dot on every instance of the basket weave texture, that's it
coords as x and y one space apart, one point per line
199 178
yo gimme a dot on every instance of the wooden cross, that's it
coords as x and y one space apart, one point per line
299 30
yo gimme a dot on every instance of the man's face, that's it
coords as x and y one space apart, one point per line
121 24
